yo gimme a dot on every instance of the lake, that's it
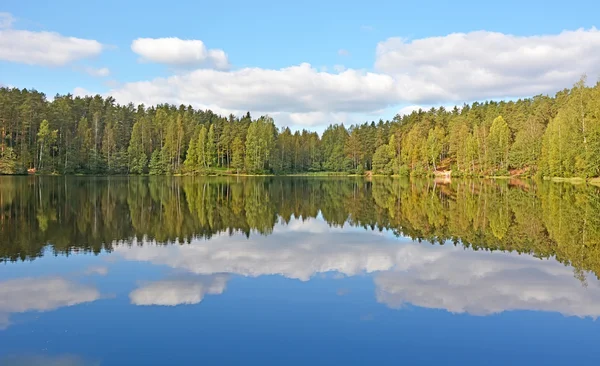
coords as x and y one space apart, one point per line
297 271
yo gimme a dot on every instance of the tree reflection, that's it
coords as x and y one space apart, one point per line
70 214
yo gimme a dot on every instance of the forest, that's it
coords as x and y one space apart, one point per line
544 136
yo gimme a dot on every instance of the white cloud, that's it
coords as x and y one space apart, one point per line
343 52
41 294
479 65
42 48
295 89
97 72
6 20
179 52
178 291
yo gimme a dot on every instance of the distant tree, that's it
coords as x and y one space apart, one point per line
138 160
237 158
46 139
211 147
498 142
156 166
7 160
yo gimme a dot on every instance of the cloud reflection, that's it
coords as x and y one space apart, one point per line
301 252
441 277
483 283
41 294
178 291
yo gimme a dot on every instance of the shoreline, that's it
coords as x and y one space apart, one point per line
573 180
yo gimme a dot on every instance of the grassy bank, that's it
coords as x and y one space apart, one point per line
222 172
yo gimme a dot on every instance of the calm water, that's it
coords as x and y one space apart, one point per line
295 271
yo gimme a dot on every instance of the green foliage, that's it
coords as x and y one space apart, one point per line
7 160
46 139
435 145
260 141
498 142
404 171
157 166
382 160
202 156
237 161
210 148
334 144
360 170
138 161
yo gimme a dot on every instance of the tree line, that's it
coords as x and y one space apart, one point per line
71 214
555 136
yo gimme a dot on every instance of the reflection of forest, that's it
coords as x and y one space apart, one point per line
85 214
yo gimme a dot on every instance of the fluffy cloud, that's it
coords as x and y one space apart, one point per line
295 89
178 291
179 52
444 277
41 294
478 65
101 72
42 48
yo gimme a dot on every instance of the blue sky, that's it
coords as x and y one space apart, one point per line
349 77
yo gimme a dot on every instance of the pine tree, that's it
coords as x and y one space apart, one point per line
46 139
8 160
498 142
191 157
237 157
201 149
211 147
435 145
156 166
138 160
382 158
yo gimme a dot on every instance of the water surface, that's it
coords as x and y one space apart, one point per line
297 271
